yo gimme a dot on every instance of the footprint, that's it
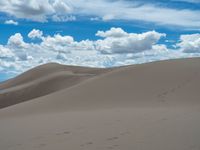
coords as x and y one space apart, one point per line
66 132
162 95
113 138
164 119
165 93
89 143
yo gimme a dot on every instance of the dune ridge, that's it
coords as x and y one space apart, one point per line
43 80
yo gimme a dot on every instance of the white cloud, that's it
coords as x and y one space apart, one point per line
32 9
113 32
64 10
62 18
108 17
57 43
16 41
189 1
190 43
17 45
131 10
35 34
115 48
118 41
37 10
6 53
95 19
12 22
62 6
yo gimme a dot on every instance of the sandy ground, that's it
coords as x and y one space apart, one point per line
154 106
43 80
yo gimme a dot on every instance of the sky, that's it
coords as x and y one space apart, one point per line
100 33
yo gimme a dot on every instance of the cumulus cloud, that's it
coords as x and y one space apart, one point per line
6 53
16 41
17 45
190 43
113 32
12 22
57 40
35 34
118 41
114 48
66 10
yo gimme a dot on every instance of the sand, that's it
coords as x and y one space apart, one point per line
154 106
43 80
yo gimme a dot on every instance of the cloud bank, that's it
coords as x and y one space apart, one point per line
114 47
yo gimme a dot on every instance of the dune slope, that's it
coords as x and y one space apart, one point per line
142 107
43 80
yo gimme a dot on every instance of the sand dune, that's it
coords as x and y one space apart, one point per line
43 80
154 106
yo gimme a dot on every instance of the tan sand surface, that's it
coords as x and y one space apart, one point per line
154 106
43 80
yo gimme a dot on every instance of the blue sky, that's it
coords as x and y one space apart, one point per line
101 33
